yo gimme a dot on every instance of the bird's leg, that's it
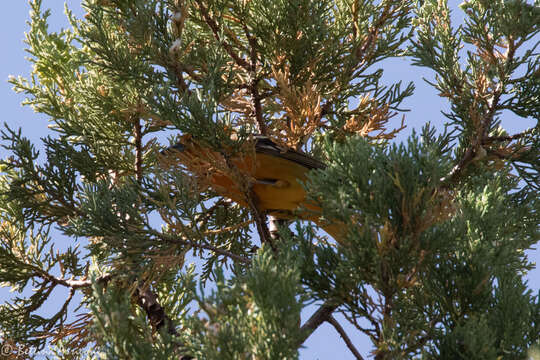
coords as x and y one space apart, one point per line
260 220
273 226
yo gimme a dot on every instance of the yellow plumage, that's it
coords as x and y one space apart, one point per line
277 173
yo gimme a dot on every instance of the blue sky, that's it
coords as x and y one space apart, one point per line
425 106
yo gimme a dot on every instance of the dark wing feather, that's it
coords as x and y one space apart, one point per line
264 145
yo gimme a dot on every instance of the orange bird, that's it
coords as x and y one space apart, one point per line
277 175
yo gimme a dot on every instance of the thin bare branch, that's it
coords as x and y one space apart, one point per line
321 315
148 301
344 336
215 29
254 82
63 311
373 333
183 241
138 147
475 144
70 283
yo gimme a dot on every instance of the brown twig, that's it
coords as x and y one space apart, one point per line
70 283
215 30
476 143
138 147
256 98
373 334
485 124
174 239
373 31
254 81
321 315
180 81
62 311
344 336
155 312
148 301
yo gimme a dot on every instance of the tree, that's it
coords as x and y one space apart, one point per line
431 261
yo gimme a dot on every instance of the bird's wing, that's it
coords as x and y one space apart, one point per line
264 145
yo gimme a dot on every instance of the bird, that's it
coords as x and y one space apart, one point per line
278 173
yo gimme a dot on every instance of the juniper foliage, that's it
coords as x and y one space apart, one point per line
433 261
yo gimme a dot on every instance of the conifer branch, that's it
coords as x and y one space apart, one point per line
361 54
157 316
184 241
493 105
215 30
321 57
256 98
254 81
373 34
513 137
476 143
